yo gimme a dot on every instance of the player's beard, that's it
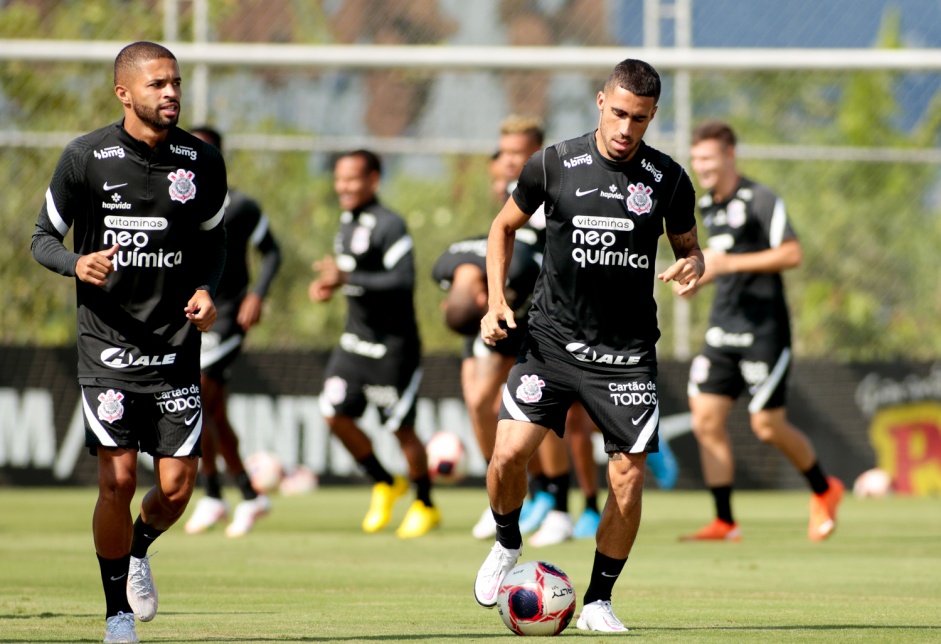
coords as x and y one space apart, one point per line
152 117
616 155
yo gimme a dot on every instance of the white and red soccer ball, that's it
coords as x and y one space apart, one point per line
536 598
875 483
264 471
447 459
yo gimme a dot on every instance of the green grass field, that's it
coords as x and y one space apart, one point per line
308 574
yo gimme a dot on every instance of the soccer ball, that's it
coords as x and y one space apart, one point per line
265 471
536 598
447 461
874 483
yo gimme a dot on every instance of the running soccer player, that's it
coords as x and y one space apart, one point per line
378 358
238 310
748 344
146 202
593 324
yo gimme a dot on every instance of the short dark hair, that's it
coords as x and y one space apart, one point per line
636 76
717 130
210 133
370 158
462 313
135 55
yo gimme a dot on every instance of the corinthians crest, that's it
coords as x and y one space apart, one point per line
182 188
639 201
111 408
530 390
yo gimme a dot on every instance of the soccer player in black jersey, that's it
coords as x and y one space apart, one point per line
748 344
593 324
238 310
146 201
378 358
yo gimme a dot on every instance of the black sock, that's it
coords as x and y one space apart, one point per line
144 535
558 487
591 503
375 470
114 581
423 490
817 479
538 484
723 498
508 529
214 485
245 486
604 573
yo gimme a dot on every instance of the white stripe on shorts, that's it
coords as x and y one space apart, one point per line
512 407
212 356
103 436
644 437
760 399
187 447
405 402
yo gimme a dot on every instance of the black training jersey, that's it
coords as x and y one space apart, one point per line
593 300
245 226
374 247
521 278
164 209
753 219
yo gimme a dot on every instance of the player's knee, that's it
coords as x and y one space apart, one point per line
117 487
765 432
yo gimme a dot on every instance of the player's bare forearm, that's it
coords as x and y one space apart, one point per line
690 264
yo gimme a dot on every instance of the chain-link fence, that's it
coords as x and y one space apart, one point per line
853 153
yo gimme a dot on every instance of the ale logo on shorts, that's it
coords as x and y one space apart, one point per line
182 188
639 201
111 408
530 390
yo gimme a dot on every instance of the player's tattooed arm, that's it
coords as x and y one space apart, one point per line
690 264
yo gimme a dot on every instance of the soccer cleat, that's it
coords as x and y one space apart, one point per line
384 497
663 466
486 527
208 512
246 513
536 513
141 592
718 530
598 616
498 563
556 528
418 521
120 628
823 510
587 525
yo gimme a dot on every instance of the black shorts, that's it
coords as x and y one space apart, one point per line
763 368
391 382
220 347
541 388
164 423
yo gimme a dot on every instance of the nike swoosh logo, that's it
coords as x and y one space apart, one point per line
189 421
637 420
120 577
581 193
107 187
502 526
604 574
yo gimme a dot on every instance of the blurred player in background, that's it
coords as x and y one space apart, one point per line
238 310
748 344
146 201
378 358
593 325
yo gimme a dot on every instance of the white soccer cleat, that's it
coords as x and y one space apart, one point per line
486 527
141 592
246 513
120 628
598 616
208 512
556 528
498 563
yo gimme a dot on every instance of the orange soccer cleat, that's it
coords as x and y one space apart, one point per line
718 530
823 510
